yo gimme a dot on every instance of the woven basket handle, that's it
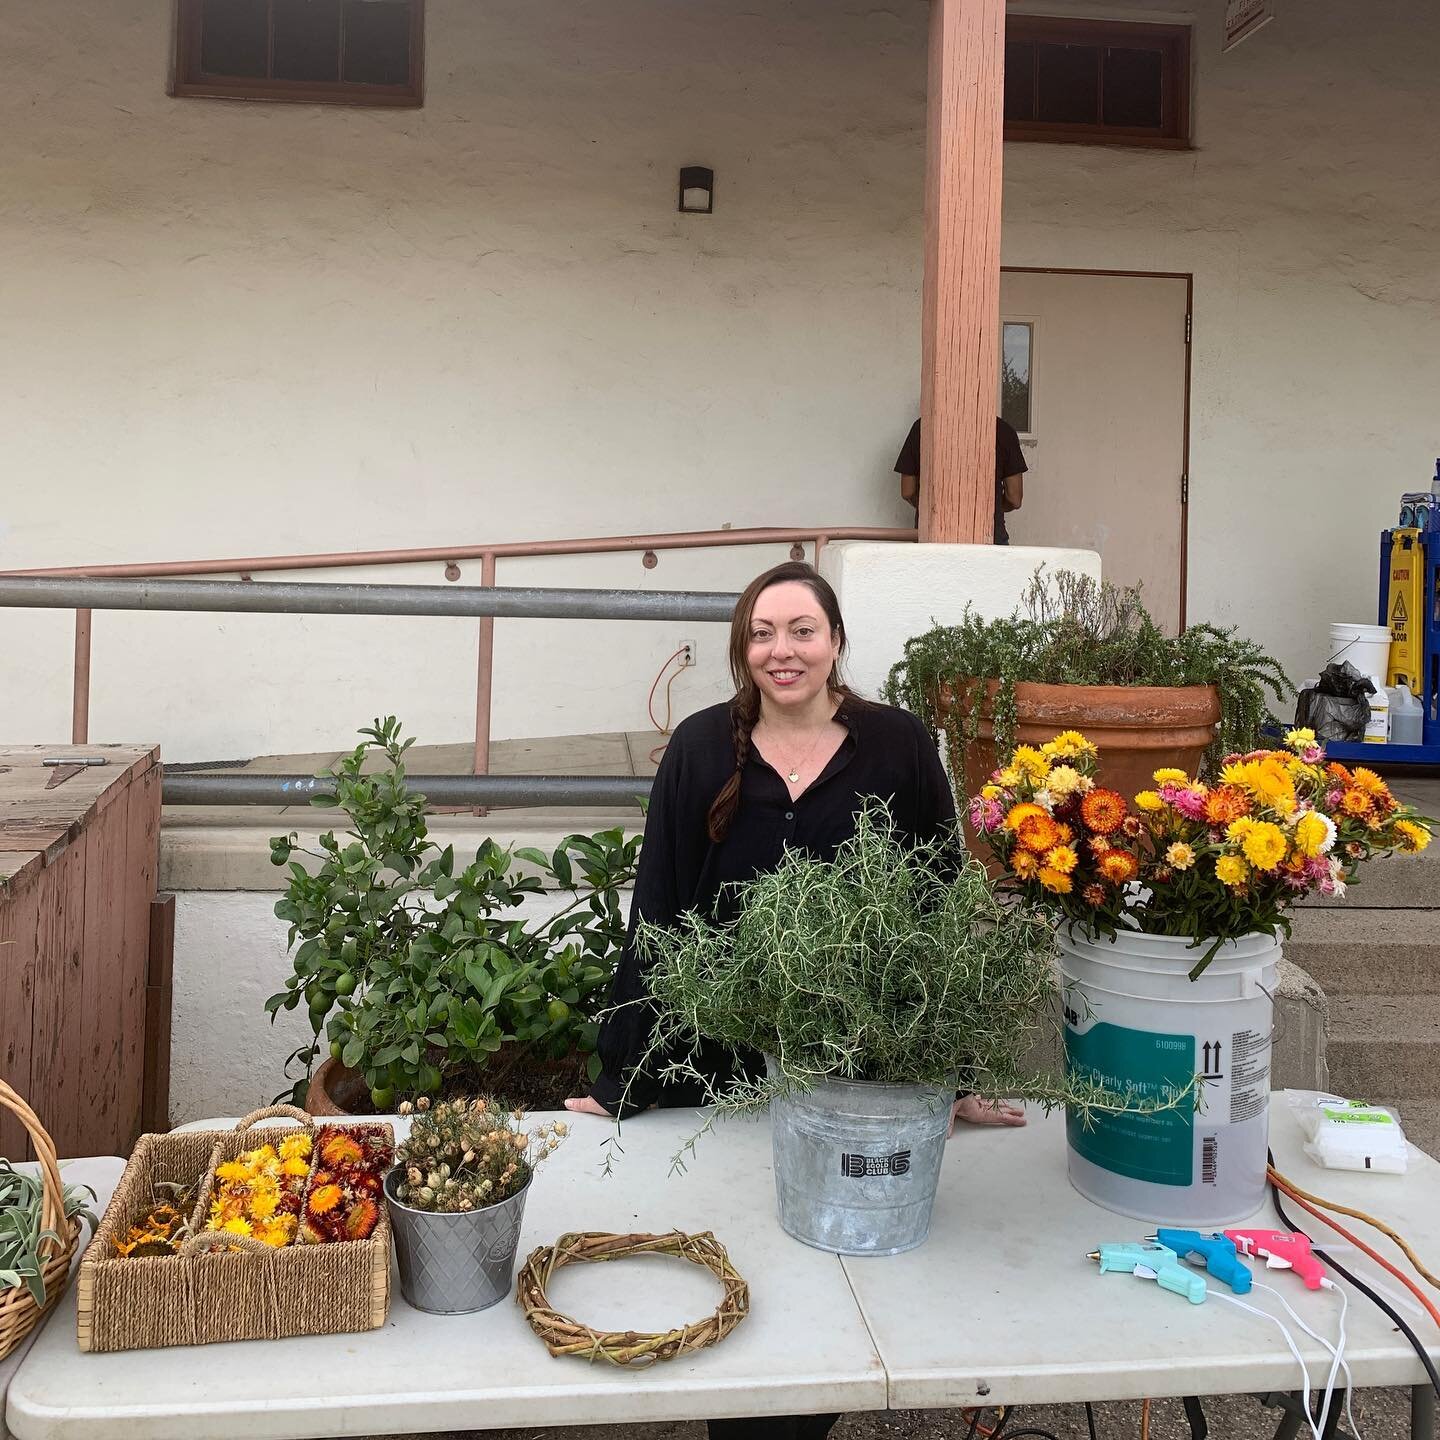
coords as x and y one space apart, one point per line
52 1205
277 1112
208 1240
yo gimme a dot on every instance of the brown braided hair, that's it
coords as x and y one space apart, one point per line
745 707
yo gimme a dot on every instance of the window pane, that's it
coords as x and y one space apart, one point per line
1019 81
307 39
1133 88
1016 343
234 37
1069 84
377 42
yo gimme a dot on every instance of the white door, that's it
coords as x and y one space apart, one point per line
1100 404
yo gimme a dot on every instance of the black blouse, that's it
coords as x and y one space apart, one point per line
888 754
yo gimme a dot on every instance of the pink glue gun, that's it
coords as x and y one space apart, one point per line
1281 1250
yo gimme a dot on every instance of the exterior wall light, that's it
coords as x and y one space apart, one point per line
697 190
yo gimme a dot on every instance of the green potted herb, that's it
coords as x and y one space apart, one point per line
1085 655
415 970
873 984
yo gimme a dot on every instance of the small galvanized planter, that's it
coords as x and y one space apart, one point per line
455 1264
857 1163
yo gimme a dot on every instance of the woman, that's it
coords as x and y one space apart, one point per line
787 762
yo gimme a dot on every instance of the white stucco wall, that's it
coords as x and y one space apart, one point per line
226 1056
249 328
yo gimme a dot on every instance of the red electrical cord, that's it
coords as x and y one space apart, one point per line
1280 1183
650 701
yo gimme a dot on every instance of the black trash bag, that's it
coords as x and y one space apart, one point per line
1338 708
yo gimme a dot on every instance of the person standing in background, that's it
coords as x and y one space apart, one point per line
1010 468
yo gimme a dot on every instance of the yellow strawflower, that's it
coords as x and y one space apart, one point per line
295 1147
1300 739
1069 745
1231 870
1171 777
1062 858
1264 845
1055 880
1312 834
1413 838
1026 864
1180 856
1030 763
1238 829
237 1227
1149 802
991 792
1064 780
1009 777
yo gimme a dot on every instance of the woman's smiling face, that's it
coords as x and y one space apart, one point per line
792 650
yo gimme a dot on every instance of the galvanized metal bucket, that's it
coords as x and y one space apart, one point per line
857 1163
455 1264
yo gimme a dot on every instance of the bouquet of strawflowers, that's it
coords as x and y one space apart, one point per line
1209 861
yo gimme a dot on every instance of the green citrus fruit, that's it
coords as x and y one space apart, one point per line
336 1050
381 1097
557 1010
345 985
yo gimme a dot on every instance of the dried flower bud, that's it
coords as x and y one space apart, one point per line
426 1194
518 1141
404 1108
423 1103
560 1128
413 1175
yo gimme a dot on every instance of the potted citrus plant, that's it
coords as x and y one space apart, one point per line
1172 905
873 985
457 1198
1081 654
415 970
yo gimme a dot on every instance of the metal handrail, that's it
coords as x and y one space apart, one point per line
470 791
488 555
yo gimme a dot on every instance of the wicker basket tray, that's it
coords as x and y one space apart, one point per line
205 1295
19 1314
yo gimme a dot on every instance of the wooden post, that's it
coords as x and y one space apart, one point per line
959 374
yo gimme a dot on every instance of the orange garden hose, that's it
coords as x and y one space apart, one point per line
1144 1420
1281 1183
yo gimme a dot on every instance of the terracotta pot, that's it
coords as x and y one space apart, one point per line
1139 729
335 1089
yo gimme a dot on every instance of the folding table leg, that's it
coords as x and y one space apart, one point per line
1422 1412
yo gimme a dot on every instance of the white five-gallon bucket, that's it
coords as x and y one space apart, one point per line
1135 1021
1366 647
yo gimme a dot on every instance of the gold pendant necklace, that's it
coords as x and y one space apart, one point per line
793 774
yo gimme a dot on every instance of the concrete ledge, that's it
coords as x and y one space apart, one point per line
229 849
1299 1058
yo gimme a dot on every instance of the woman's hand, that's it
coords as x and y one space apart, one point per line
975 1111
584 1105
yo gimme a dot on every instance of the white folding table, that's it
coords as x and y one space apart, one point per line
1000 1306
102 1174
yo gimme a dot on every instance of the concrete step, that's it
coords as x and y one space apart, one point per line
1372 952
1385 1045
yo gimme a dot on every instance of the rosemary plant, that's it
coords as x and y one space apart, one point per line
1074 630
889 963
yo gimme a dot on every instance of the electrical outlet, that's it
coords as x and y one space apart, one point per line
688 658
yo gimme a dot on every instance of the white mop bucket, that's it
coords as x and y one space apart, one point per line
1366 647
1135 1021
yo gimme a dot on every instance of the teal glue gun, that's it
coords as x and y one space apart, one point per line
1152 1262
1217 1251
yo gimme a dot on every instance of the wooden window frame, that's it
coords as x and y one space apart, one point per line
1173 43
189 81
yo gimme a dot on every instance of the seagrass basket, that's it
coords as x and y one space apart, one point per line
19 1314
221 1287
